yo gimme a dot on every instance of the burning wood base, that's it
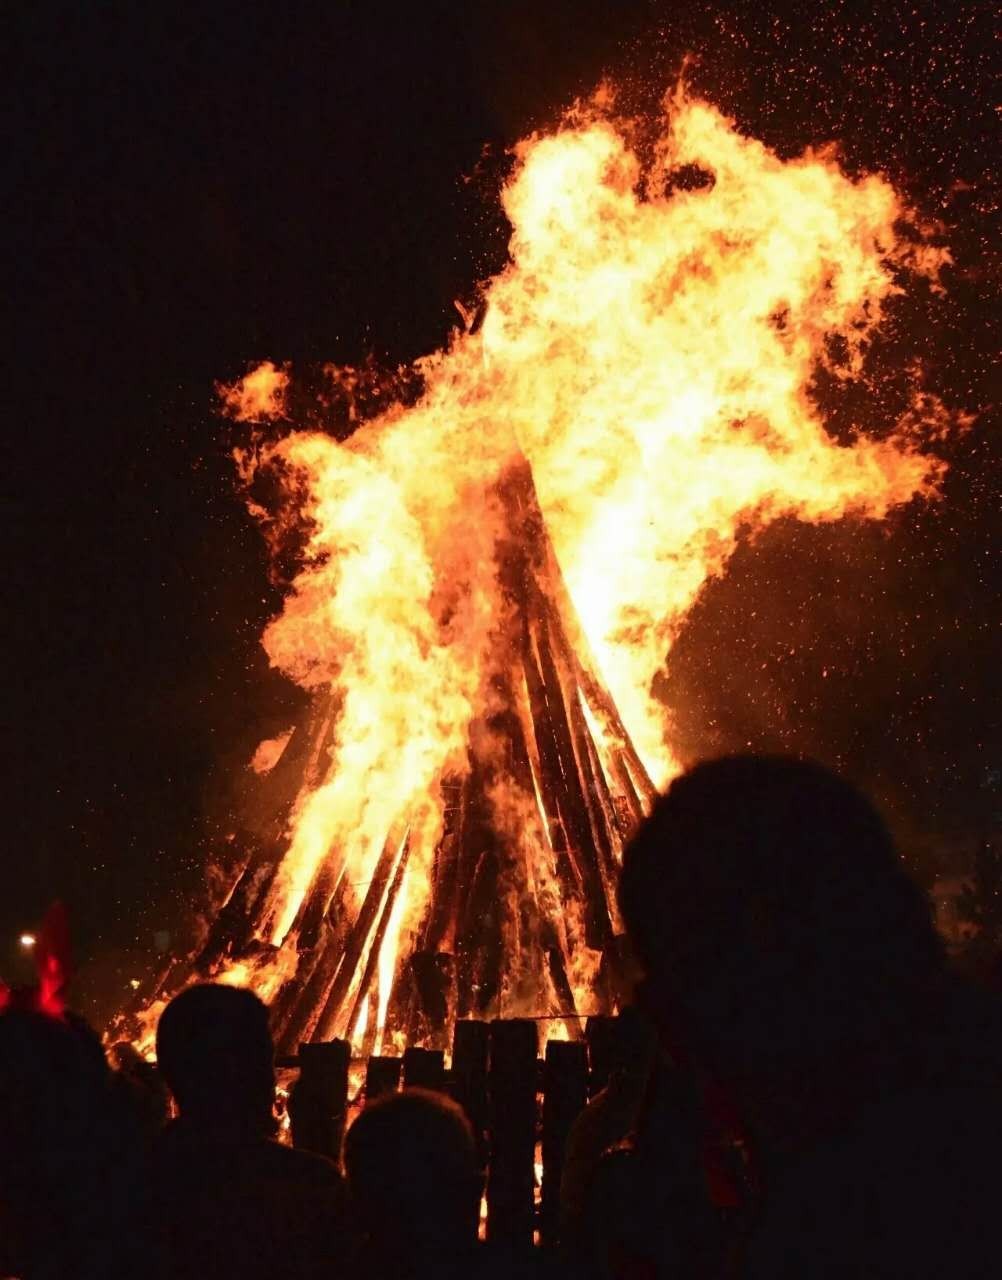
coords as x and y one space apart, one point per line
519 913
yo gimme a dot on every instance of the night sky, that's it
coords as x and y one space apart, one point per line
195 188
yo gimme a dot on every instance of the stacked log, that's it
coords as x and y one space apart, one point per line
551 739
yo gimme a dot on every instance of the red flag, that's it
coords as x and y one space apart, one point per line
52 956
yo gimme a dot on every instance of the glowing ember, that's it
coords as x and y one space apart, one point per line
484 564
269 752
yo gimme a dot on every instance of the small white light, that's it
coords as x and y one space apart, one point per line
27 940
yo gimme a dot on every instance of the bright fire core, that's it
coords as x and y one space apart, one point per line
648 352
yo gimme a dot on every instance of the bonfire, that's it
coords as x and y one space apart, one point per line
494 567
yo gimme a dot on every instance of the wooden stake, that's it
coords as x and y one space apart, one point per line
319 1101
424 1069
512 1108
470 1047
382 1076
565 1091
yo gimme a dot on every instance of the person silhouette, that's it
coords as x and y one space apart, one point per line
788 956
235 1203
414 1181
71 1160
608 1119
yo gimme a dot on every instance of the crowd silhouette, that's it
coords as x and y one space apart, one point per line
802 1087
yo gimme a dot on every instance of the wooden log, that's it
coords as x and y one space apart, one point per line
233 928
382 1076
604 823
602 1040
299 769
565 1092
525 768
439 929
557 969
296 772
318 1103
551 783
486 952
569 788
435 980
478 934
372 960
317 900
518 493
403 999
297 1008
577 652
512 1114
368 1046
332 1011
424 1069
470 1047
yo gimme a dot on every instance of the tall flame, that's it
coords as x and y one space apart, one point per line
650 351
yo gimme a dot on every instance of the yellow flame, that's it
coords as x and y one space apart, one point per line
650 351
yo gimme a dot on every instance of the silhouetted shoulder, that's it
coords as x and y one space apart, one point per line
289 1164
186 1148
911 1191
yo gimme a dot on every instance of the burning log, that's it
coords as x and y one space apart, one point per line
297 771
607 838
296 1008
435 980
478 926
332 1012
365 986
569 788
492 935
444 904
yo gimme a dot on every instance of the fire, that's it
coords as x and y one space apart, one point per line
269 752
259 396
649 351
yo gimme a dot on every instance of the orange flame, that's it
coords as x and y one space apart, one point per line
257 397
650 351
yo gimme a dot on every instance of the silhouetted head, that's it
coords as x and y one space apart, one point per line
412 1173
215 1052
67 1149
776 925
51 1073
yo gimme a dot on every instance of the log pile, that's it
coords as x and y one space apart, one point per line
495 938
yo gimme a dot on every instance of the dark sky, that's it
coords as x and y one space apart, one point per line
199 186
